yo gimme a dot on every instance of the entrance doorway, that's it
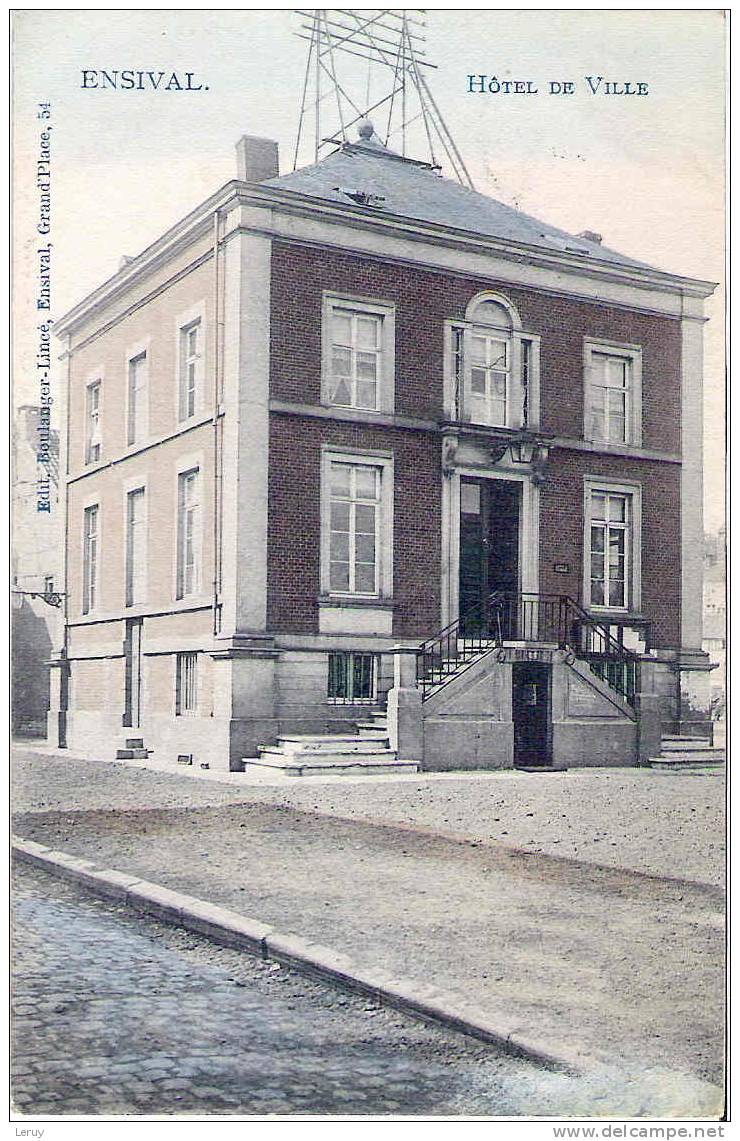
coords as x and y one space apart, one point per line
490 512
132 653
530 703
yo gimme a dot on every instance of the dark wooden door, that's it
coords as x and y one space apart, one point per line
489 546
473 549
531 714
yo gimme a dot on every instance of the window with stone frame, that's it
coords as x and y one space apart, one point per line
90 558
357 525
612 393
138 399
191 355
188 533
610 549
135 546
355 510
358 354
93 439
492 367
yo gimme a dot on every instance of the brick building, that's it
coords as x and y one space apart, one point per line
358 439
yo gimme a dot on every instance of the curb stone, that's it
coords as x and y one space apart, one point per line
240 932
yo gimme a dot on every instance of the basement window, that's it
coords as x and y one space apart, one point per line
186 685
352 678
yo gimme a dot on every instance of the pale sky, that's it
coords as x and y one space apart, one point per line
645 172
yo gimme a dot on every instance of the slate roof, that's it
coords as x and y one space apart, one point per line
414 190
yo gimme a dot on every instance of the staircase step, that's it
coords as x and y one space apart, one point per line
687 758
372 732
339 764
540 768
326 743
307 756
443 673
680 744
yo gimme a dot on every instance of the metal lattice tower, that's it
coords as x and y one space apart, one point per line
339 93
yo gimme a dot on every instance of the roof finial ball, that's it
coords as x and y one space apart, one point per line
366 130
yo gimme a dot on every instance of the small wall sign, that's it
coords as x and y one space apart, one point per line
561 568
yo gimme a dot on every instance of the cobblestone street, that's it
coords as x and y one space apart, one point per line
118 1015
114 1015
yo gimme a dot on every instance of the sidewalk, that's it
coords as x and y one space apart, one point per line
619 969
668 824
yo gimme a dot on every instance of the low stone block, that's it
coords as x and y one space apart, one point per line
373 980
331 957
333 964
108 882
29 850
559 1055
288 948
151 899
223 926
67 866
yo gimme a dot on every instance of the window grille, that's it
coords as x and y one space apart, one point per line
186 686
352 678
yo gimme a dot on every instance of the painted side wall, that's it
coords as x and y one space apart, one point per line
148 316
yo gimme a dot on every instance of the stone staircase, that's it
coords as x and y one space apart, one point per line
365 752
679 753
134 750
532 621
467 651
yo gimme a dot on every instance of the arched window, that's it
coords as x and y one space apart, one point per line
487 311
492 365
490 354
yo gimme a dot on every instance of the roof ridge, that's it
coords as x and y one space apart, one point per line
401 185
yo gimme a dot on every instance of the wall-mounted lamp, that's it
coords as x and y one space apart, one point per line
523 449
52 597
530 451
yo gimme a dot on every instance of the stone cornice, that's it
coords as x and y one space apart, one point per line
199 222
340 415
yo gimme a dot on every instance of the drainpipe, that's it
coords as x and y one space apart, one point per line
63 476
217 451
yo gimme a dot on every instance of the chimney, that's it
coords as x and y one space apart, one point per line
256 159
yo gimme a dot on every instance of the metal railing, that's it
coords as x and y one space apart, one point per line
592 641
456 646
526 617
552 619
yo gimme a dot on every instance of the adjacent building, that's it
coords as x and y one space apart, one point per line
357 438
36 567
715 617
